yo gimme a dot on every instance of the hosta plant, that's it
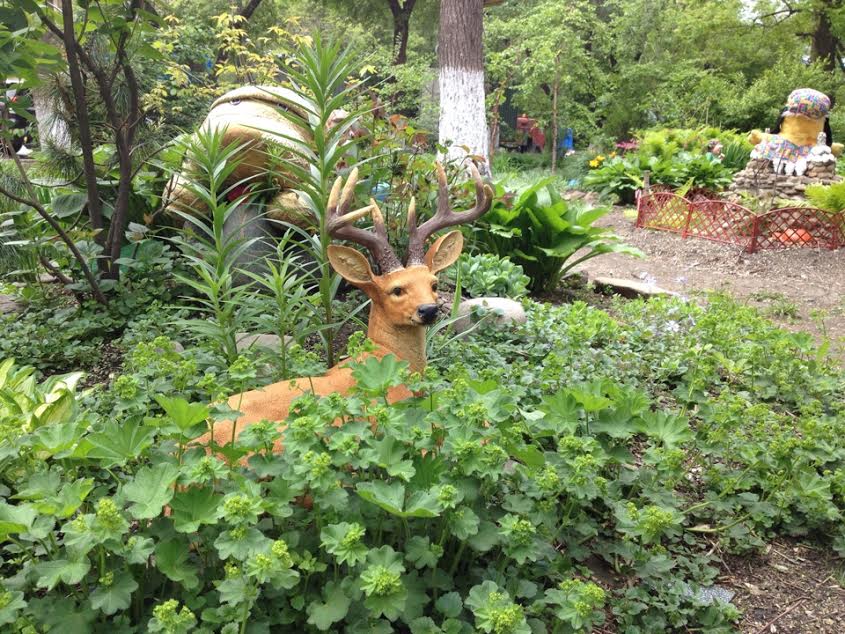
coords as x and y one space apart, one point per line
543 238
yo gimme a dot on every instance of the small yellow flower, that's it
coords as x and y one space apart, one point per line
600 157
612 155
594 163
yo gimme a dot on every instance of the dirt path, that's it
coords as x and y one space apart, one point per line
802 289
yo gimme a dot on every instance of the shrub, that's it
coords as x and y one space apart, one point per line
486 275
543 237
622 176
827 197
474 507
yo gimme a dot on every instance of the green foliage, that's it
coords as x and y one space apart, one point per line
211 252
471 508
621 176
827 197
487 275
542 238
55 334
667 142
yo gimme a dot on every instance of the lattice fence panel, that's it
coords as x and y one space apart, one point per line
721 221
728 222
662 210
789 227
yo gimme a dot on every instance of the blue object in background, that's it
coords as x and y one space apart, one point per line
566 141
380 191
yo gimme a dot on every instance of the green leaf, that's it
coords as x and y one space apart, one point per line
116 596
670 429
390 497
231 543
237 590
9 612
194 507
375 376
344 541
419 552
388 453
463 522
172 559
57 438
186 415
139 549
150 490
119 443
16 519
65 205
450 605
50 573
589 397
323 614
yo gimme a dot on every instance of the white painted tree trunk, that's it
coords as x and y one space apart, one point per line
463 120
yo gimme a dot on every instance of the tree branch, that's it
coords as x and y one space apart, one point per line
39 208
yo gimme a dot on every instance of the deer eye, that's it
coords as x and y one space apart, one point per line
434 286
397 292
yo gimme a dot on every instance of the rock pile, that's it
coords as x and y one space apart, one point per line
759 179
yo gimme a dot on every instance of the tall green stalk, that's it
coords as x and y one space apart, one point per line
212 253
318 76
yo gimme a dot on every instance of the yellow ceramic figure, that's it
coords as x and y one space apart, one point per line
800 127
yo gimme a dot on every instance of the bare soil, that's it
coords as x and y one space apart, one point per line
791 588
799 288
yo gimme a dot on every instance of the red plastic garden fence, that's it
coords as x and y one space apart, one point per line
731 223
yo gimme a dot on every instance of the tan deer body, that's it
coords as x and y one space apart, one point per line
404 300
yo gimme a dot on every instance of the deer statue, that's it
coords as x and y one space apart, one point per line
404 298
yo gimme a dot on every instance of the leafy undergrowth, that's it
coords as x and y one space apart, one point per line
532 458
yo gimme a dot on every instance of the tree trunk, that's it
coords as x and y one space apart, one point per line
460 56
401 27
83 123
825 45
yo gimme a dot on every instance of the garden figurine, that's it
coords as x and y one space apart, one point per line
259 119
803 119
404 296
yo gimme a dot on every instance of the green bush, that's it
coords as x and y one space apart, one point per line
542 238
487 275
668 142
475 507
827 197
623 176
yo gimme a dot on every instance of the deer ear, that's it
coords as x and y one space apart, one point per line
351 264
445 250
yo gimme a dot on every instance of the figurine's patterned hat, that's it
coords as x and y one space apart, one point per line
808 102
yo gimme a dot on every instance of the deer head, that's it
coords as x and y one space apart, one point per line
402 295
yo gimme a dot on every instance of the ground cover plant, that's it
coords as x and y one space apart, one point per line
473 507
586 470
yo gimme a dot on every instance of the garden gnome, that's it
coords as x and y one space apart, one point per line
796 133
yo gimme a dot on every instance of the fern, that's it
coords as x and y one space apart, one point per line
827 197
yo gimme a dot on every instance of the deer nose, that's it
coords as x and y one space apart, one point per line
427 313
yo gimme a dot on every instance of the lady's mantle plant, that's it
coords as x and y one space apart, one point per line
470 508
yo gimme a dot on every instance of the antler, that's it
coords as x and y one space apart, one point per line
341 224
445 216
